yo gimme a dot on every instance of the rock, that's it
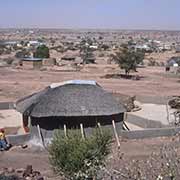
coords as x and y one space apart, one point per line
36 173
28 171
28 178
21 170
24 146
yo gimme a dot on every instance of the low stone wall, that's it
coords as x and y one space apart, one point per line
6 105
140 134
149 133
16 140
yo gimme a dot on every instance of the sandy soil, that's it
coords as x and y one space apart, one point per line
155 86
16 83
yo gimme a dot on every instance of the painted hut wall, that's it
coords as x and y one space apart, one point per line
48 125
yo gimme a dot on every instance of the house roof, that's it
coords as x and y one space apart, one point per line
31 59
71 99
54 85
174 60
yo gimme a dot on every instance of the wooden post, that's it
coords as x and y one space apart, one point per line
167 110
125 116
65 131
25 123
99 126
82 130
40 135
115 133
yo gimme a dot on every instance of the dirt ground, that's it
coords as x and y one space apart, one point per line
130 150
155 84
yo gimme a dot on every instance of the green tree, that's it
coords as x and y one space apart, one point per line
42 52
87 54
76 158
128 59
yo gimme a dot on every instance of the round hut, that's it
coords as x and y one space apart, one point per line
70 104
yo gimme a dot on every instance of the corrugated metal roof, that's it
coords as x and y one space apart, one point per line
91 82
31 59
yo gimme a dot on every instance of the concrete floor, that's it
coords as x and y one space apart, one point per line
11 118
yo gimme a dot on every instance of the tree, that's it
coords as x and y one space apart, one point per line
87 55
42 52
128 59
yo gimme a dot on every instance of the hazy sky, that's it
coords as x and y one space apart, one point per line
120 14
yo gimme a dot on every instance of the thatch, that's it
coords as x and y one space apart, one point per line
25 104
128 101
70 100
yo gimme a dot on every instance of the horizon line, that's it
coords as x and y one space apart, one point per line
83 28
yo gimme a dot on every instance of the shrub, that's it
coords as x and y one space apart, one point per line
76 158
128 59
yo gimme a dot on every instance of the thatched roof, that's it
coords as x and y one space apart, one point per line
70 100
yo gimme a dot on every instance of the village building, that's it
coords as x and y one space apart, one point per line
173 64
34 43
70 104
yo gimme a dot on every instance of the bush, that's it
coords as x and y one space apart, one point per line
128 59
76 158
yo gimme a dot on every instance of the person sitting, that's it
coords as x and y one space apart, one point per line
3 142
